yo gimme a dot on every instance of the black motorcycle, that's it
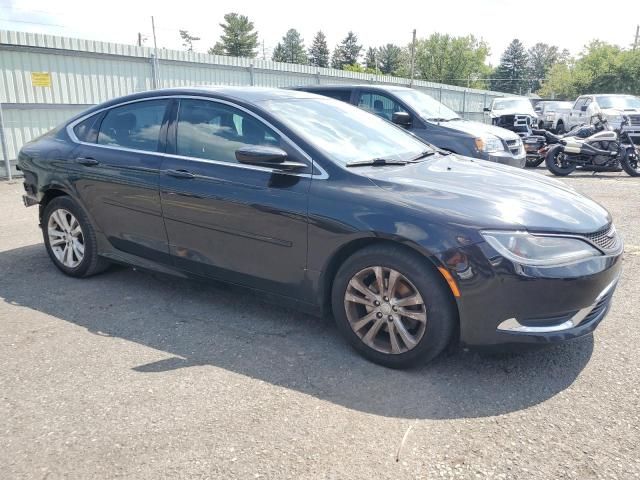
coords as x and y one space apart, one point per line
605 149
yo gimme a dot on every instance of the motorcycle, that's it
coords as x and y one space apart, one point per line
539 141
604 149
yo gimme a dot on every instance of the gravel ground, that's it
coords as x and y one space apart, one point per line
131 374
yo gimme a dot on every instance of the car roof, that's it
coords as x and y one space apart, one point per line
311 88
247 94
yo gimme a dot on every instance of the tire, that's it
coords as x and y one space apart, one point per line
560 128
552 162
631 163
533 162
435 306
66 228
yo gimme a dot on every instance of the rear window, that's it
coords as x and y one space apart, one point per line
136 125
87 130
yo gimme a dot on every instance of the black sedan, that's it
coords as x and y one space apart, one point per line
327 207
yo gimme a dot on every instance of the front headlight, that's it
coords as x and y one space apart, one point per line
539 250
489 144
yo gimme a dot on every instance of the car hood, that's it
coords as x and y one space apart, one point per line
478 129
616 111
488 195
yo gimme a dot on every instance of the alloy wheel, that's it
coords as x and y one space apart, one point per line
385 310
66 238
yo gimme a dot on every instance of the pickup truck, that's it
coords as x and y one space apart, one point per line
613 107
552 113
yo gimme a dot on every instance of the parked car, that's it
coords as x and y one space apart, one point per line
430 120
613 107
550 112
513 113
326 207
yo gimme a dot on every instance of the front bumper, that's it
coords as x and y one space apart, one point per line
502 303
506 158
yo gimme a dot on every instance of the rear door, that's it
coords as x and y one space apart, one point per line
240 223
115 173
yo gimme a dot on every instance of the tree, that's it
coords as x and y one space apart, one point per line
511 74
542 57
291 49
319 51
238 39
217 49
452 60
347 52
188 39
371 59
389 58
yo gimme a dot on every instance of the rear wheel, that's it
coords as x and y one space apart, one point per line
70 239
557 162
630 161
391 307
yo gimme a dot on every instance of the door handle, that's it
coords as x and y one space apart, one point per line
88 161
180 173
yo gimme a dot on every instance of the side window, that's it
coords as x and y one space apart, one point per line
87 130
579 103
343 95
136 125
381 105
215 131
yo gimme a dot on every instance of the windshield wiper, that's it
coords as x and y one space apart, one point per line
421 155
376 162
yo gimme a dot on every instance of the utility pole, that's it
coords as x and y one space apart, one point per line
153 28
637 39
413 56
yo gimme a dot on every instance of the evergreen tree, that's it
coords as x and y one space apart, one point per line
389 58
347 52
239 38
319 51
291 49
510 75
371 59
188 39
217 49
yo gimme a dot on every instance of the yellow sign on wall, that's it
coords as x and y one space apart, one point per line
41 79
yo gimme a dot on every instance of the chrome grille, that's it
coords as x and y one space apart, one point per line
606 239
635 120
513 146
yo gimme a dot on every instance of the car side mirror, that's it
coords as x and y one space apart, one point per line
486 109
583 108
401 118
265 156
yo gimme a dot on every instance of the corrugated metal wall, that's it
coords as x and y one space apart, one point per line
85 72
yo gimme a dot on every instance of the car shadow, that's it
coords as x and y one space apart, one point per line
198 323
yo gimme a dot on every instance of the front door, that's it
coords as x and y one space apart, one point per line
117 164
236 222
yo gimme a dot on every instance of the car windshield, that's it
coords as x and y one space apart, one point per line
345 133
618 102
512 104
426 106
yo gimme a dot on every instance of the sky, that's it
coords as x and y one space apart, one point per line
568 24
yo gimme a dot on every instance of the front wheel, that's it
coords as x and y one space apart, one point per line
630 161
533 162
392 307
557 161
560 128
